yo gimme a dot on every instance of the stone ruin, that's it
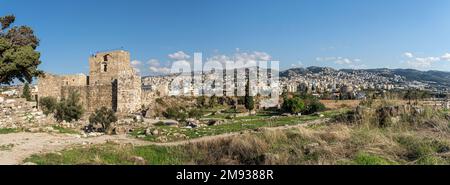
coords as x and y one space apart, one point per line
18 112
112 83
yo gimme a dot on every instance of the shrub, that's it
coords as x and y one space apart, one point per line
314 106
48 104
213 101
26 92
175 113
201 101
293 105
195 113
103 116
69 109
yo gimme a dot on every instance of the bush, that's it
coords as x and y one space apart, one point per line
48 105
201 101
293 105
69 109
175 113
103 116
26 92
213 101
195 113
314 106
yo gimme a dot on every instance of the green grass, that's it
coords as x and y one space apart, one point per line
65 130
238 124
112 154
8 130
371 159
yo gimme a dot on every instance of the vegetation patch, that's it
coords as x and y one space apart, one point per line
112 154
6 147
8 130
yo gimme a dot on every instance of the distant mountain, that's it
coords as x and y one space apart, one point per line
437 77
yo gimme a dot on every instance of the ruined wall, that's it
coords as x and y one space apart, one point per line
128 91
74 80
51 85
112 83
91 97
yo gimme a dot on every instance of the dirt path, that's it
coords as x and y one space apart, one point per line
15 147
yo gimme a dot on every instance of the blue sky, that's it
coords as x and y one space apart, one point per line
336 33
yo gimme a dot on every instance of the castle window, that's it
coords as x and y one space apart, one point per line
105 58
104 67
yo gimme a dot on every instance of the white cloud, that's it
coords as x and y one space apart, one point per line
153 62
338 60
298 64
247 59
446 57
343 61
163 70
423 62
179 55
408 55
136 62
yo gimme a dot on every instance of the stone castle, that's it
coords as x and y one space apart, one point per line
112 83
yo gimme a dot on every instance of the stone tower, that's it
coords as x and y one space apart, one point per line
114 68
106 66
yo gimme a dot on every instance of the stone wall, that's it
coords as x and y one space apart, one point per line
18 112
112 82
128 91
105 67
91 97
51 85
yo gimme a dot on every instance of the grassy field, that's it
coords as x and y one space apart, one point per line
112 154
233 125
409 139
8 130
327 144
63 130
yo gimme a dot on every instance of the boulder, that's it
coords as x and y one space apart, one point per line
170 122
151 132
192 123
120 130
214 122
138 160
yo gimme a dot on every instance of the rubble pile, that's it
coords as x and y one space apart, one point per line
19 113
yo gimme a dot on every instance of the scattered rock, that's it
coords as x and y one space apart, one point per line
155 132
151 132
193 123
138 160
120 130
214 122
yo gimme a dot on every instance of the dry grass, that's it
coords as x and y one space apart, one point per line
421 138
337 104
